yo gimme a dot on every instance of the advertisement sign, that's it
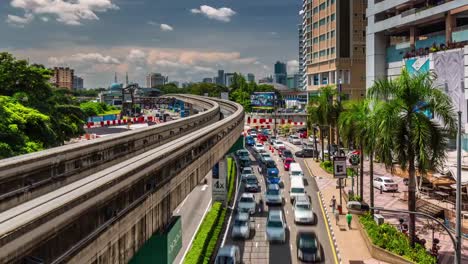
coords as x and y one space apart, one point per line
263 100
219 171
339 167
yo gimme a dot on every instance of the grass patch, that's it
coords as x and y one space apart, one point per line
111 112
327 166
232 171
388 237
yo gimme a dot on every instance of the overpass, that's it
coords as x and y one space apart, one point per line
104 212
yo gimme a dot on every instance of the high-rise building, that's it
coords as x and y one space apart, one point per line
294 81
155 80
77 83
280 73
302 83
268 79
250 77
221 80
334 45
228 77
207 80
63 77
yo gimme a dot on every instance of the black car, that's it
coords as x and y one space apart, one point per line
286 154
308 247
251 184
306 153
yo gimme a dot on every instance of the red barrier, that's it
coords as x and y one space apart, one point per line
102 123
248 120
113 122
119 122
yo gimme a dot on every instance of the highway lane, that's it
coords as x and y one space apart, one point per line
192 211
257 249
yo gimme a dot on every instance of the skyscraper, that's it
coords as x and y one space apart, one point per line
228 78
207 80
334 44
280 73
221 80
77 83
63 77
155 79
302 83
250 77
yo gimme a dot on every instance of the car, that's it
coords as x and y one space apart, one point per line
253 133
247 170
241 226
385 184
251 183
273 194
242 153
228 254
325 154
313 138
244 177
306 153
259 147
263 157
295 140
247 203
278 144
271 139
297 188
244 162
249 141
308 145
276 226
262 137
287 163
308 247
286 154
303 210
280 151
266 132
302 132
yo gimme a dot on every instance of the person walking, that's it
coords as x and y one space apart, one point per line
333 203
349 218
337 216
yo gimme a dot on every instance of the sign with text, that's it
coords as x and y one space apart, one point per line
339 167
219 172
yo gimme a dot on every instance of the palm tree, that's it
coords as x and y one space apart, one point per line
322 111
407 134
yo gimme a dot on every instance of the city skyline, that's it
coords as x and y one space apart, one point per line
184 41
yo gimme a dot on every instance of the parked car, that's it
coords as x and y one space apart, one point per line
249 141
293 139
385 184
228 254
276 226
259 147
308 145
253 133
308 247
247 203
244 177
266 131
313 138
286 154
306 153
273 194
278 144
303 210
241 226
251 183
287 163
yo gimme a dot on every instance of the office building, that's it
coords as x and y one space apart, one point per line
155 80
420 36
228 78
302 83
294 81
268 79
280 73
62 77
334 45
207 80
77 83
221 78
250 77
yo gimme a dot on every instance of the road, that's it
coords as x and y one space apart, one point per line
192 210
257 249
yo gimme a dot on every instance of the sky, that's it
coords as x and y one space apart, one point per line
186 40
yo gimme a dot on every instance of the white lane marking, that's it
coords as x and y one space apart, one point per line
256 244
287 212
182 204
258 226
196 230
291 246
204 187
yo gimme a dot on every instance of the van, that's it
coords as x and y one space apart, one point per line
295 170
228 254
297 188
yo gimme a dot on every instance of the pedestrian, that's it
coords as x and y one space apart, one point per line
349 217
333 203
337 217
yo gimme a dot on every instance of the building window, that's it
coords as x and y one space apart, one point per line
322 37
325 78
315 25
315 40
322 53
363 33
332 50
315 55
322 22
322 6
328 52
346 77
332 2
332 77
328 35
316 79
332 17
315 10
332 34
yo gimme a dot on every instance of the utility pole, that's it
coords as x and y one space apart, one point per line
458 198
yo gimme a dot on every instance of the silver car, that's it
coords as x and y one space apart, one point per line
273 194
303 210
247 170
241 226
247 203
276 226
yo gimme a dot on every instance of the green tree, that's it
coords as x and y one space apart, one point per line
407 134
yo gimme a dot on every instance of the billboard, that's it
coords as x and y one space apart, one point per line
219 190
263 100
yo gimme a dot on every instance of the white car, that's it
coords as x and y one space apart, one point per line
385 184
259 147
253 133
247 203
313 139
247 170
228 254
241 227
273 194
244 177
303 210
276 226
278 144
294 140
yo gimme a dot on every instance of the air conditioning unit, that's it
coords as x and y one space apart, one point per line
379 219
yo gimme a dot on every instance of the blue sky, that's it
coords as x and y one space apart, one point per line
184 39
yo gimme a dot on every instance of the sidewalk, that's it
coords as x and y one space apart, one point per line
350 243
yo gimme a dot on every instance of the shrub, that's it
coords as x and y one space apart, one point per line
232 171
327 166
215 237
388 237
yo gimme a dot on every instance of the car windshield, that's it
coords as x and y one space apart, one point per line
307 243
388 181
246 200
273 192
288 161
287 153
270 164
251 180
303 206
295 173
294 137
240 223
224 260
247 171
259 145
297 190
275 224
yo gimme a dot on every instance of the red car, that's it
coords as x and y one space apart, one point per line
287 163
262 137
280 151
302 133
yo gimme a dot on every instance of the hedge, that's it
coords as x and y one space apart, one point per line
327 166
232 171
388 237
215 237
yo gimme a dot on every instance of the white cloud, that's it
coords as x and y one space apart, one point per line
293 66
166 27
19 21
152 23
223 14
67 12
84 58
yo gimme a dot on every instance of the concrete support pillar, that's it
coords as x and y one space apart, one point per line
375 58
413 36
450 24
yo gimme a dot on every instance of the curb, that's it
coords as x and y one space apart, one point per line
331 228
